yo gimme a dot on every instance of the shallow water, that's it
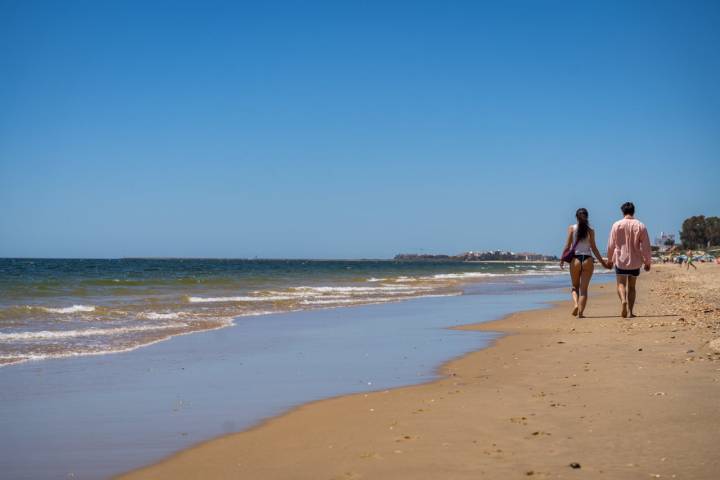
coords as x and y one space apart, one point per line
96 416
62 308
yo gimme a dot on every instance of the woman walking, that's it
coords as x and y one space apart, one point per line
579 250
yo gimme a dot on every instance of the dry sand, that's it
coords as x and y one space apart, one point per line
622 398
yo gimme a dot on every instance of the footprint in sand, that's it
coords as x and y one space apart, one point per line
373 455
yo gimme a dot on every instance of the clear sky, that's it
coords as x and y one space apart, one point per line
350 129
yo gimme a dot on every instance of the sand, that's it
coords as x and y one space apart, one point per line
617 398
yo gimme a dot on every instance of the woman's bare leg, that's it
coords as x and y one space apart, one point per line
622 281
587 271
575 267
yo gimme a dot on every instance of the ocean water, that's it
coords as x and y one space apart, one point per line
96 416
52 308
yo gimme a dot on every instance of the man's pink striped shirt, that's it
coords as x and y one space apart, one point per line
629 244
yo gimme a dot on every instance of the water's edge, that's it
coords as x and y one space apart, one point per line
180 409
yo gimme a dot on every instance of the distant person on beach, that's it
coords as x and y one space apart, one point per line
628 249
690 261
582 237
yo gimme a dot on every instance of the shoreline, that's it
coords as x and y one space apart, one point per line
417 431
113 312
173 395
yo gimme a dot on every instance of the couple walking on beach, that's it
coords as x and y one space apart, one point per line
628 249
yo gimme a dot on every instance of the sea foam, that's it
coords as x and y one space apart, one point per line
73 309
89 332
239 299
161 316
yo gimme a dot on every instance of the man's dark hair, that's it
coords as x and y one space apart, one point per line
628 208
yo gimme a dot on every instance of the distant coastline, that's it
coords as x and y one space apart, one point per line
484 256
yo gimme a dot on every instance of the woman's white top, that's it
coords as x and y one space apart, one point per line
583 246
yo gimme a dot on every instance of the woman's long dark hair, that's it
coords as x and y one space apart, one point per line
583 224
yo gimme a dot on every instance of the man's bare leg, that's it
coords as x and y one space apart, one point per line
622 293
631 293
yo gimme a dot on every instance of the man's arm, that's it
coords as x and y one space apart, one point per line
611 245
595 250
645 247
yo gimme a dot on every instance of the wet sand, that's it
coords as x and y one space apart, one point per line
616 398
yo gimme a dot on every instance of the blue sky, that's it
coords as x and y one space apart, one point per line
349 129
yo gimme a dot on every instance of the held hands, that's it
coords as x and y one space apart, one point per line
607 264
647 267
562 265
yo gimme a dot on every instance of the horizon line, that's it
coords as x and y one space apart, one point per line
359 259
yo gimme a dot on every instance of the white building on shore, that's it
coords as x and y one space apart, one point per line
665 241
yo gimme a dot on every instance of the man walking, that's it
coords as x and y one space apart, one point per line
628 249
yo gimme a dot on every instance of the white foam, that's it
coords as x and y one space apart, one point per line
161 316
373 279
448 276
329 302
374 300
383 288
240 299
24 357
90 332
73 309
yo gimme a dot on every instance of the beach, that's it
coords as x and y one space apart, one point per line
340 240
556 397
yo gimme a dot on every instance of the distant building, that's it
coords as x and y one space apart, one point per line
472 256
530 257
665 241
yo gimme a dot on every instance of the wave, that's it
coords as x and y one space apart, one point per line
381 289
370 301
332 301
449 276
73 309
19 311
271 298
24 357
303 292
89 332
403 278
161 316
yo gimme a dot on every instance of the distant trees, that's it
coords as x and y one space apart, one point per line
712 226
700 231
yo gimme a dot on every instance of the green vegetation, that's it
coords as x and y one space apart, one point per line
700 232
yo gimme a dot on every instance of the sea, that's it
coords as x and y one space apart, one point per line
52 308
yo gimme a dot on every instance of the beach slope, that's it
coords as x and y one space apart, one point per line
558 397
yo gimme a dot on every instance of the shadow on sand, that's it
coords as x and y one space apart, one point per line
636 316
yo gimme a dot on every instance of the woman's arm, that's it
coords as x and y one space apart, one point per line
568 244
595 250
